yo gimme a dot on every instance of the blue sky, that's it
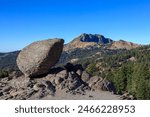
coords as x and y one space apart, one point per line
25 21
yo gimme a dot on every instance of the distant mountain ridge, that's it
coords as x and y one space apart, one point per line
86 40
8 60
83 44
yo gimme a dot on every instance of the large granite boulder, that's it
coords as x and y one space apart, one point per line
37 58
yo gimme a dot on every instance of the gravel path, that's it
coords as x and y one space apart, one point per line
90 95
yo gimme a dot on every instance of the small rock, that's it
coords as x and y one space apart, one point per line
131 97
90 96
99 85
73 85
4 80
63 74
6 89
85 76
15 74
1 93
58 80
79 72
50 87
93 80
39 86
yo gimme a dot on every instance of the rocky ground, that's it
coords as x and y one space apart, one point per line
59 83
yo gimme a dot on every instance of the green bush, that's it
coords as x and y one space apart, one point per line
3 74
91 69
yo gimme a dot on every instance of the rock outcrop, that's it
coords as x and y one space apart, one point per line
58 79
97 38
37 58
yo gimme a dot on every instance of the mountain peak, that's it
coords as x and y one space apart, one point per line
97 38
84 40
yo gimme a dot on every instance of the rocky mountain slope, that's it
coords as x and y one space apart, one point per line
8 60
88 45
121 44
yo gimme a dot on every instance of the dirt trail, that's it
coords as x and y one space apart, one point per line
90 95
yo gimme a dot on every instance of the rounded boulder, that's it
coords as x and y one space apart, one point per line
37 58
